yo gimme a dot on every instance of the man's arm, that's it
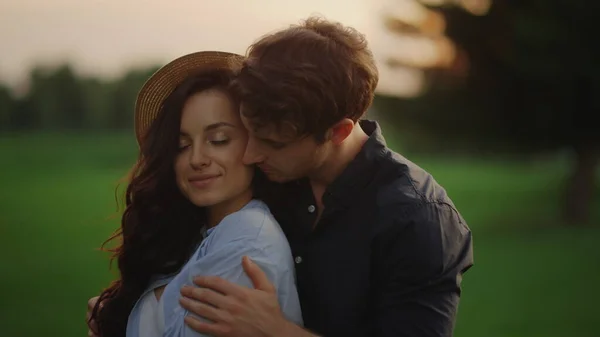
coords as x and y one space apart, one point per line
418 263
244 311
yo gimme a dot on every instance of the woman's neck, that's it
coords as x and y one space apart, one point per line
217 212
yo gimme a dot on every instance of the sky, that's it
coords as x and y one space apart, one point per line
107 37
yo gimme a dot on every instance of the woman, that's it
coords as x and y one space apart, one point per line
190 207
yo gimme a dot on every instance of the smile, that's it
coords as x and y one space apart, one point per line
204 181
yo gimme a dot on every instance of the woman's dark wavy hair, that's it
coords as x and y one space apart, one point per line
160 228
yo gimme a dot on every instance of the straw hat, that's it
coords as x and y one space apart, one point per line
162 83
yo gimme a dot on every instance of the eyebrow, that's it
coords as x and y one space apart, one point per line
211 127
218 125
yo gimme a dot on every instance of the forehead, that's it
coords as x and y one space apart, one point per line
208 107
284 132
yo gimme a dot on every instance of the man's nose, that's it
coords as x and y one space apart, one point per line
252 155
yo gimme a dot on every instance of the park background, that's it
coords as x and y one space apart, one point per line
495 98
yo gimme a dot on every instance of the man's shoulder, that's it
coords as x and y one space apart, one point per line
418 218
406 184
409 196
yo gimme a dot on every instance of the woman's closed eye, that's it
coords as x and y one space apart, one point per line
219 142
183 146
219 139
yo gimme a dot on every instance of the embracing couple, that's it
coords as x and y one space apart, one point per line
263 204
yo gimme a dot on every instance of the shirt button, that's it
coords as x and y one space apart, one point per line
298 259
311 208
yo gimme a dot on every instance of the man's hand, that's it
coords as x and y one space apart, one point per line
234 310
92 327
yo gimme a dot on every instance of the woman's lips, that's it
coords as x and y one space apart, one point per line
204 180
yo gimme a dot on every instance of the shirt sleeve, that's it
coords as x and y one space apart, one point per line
419 262
226 262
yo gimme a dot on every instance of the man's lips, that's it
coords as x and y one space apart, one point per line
265 168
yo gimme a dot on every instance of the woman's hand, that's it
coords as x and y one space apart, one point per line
92 327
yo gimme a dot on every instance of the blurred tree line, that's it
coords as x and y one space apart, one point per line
59 99
525 80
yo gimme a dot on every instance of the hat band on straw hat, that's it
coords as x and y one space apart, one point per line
165 80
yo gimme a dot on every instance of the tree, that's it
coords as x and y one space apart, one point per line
58 98
55 99
532 87
7 107
124 93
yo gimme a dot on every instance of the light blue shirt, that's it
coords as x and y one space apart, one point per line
252 231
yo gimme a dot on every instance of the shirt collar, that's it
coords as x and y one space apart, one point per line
361 170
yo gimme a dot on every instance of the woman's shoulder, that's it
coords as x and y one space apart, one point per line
253 224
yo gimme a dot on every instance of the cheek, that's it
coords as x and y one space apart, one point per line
232 159
300 158
303 160
179 168
239 176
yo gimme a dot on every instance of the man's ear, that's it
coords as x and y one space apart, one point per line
341 130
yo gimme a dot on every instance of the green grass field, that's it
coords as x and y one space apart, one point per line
532 277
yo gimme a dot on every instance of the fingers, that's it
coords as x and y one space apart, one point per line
201 309
206 304
92 326
207 296
220 285
205 328
92 303
257 276
92 329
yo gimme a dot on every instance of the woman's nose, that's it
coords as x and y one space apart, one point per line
198 159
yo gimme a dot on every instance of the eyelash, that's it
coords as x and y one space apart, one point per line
276 146
212 142
219 142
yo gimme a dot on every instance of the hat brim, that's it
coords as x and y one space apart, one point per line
165 80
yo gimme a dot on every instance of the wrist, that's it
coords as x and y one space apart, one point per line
290 329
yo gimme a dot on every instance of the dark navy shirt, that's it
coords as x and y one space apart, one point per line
388 253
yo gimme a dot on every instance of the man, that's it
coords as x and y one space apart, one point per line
379 247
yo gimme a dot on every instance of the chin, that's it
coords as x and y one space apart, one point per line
280 179
275 177
204 201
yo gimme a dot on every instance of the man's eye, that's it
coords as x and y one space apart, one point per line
273 144
277 146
